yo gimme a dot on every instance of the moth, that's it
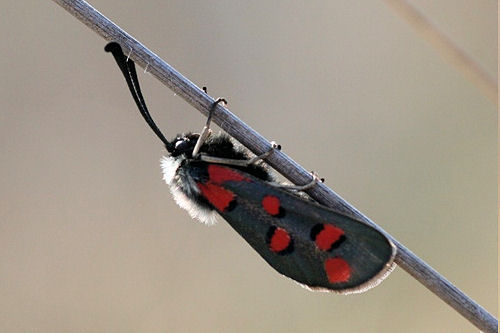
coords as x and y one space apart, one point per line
211 175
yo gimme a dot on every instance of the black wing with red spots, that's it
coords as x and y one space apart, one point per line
305 241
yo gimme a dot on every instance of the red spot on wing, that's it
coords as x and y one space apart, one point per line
337 270
212 190
218 174
218 196
328 236
271 205
280 240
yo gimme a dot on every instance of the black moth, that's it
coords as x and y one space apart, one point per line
307 242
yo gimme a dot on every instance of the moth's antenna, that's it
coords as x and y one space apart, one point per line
127 67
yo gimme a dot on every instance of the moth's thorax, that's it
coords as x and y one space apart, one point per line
169 167
185 190
184 174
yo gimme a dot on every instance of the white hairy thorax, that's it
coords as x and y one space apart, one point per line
169 166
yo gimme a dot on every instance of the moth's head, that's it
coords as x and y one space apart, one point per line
183 144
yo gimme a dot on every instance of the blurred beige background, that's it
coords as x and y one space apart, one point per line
90 239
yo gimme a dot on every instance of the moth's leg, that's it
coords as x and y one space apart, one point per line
243 163
307 186
205 132
255 159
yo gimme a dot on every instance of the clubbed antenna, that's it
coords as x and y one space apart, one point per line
127 66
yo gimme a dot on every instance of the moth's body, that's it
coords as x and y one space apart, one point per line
305 241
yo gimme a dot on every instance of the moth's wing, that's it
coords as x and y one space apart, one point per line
301 239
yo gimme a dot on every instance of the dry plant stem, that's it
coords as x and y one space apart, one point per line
278 160
449 50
